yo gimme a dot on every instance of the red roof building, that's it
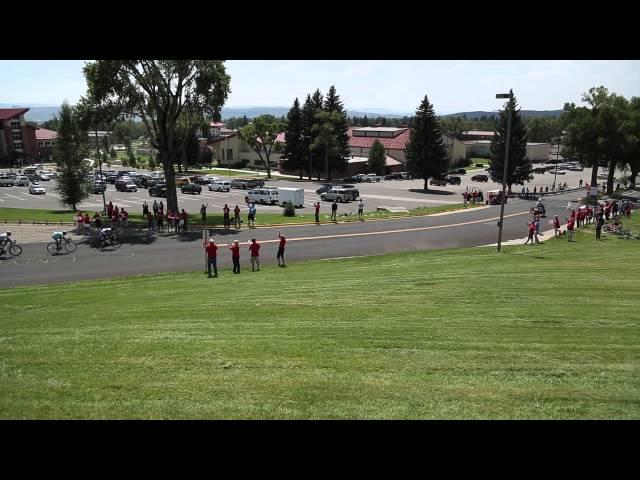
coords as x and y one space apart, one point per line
46 141
17 139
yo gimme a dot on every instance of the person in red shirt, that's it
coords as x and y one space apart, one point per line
556 225
236 217
532 229
225 211
235 256
212 253
570 226
254 248
317 205
184 216
86 222
280 255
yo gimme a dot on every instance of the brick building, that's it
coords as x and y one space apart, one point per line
18 144
46 140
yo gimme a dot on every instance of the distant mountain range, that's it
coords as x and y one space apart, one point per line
39 113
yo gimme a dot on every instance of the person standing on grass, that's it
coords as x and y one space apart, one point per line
236 216
203 212
254 248
160 220
212 253
599 224
184 216
86 222
556 226
225 211
570 225
361 208
98 221
235 256
536 223
532 229
109 209
161 209
155 208
280 255
150 221
145 209
334 211
317 207
252 215
464 199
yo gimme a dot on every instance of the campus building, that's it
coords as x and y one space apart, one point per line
17 139
46 141
229 151
536 152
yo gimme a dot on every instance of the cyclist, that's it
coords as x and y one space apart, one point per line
106 236
4 241
57 237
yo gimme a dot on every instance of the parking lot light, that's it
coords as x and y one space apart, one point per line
506 162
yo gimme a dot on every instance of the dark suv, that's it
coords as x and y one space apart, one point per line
158 190
454 180
191 188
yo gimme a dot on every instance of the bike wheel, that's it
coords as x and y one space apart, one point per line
52 248
70 246
15 250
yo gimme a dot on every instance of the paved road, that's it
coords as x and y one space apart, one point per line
183 252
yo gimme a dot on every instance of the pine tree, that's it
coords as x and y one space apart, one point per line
519 169
317 161
69 154
294 150
377 156
338 160
426 154
365 121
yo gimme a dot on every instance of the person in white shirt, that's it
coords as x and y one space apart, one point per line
360 209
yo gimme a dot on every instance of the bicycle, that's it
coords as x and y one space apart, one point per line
13 248
108 240
61 242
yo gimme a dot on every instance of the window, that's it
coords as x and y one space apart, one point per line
17 136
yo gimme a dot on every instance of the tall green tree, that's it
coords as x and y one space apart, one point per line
338 159
164 94
377 157
519 168
69 154
426 154
308 119
456 126
631 129
294 149
261 136
326 140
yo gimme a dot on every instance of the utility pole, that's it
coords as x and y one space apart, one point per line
104 200
506 163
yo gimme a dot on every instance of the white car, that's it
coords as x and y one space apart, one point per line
22 181
220 186
36 188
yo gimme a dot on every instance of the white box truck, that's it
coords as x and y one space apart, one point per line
290 194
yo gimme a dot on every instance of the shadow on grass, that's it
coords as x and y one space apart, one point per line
431 192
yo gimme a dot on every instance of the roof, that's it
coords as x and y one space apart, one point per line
479 133
221 139
379 129
388 161
8 113
392 143
45 134
218 124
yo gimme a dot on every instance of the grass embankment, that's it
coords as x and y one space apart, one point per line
549 331
26 215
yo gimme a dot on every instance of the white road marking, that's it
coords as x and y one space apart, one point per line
21 199
407 199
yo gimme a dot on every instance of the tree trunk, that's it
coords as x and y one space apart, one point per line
632 178
426 185
594 174
170 178
300 172
610 177
326 162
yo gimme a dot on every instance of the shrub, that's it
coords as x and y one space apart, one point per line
289 210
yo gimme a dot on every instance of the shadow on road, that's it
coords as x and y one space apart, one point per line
431 192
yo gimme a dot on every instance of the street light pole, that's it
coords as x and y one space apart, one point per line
104 200
506 163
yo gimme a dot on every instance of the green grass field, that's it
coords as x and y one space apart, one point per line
543 332
215 218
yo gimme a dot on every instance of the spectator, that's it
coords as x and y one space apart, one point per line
203 213
124 216
235 256
225 213
254 248
155 208
236 216
115 217
556 226
170 219
86 222
599 224
535 190
361 208
580 184
109 209
184 217
150 221
160 220
546 189
464 199
317 207
212 253
79 220
536 223
553 187
280 255
570 225
474 196
522 193
145 209
334 211
252 215
532 228
161 209
98 221
628 210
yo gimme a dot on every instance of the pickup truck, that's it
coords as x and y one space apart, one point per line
439 182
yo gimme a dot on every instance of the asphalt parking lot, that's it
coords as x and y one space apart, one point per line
396 193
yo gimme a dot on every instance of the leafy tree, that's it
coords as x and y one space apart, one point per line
456 126
69 154
51 124
168 95
151 163
294 149
326 139
261 135
308 119
113 153
426 154
338 159
377 156
631 129
519 169
131 160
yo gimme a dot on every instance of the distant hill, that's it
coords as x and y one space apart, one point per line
252 112
524 113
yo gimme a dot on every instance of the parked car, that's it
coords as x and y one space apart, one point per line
394 176
540 170
575 168
22 181
324 188
263 195
126 185
255 182
454 180
36 189
202 180
111 178
242 183
355 193
340 195
43 177
191 188
158 190
372 177
6 181
98 187
439 182
220 186
480 178
457 171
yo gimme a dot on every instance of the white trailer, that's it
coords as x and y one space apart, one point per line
293 195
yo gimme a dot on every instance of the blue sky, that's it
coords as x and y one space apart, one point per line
378 85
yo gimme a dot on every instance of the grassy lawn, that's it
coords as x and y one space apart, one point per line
214 218
547 332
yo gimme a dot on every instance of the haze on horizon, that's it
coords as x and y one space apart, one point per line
381 86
